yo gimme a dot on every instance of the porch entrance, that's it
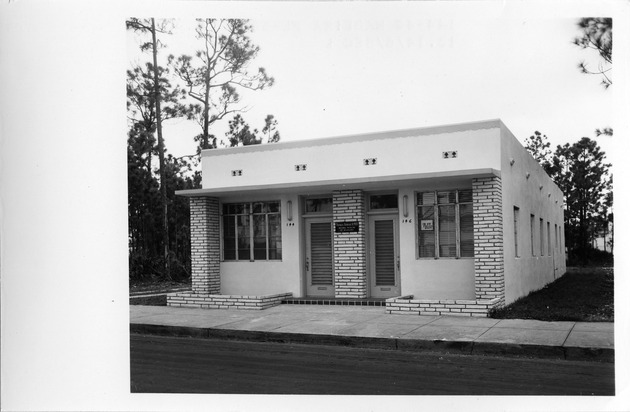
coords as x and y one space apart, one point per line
318 263
384 264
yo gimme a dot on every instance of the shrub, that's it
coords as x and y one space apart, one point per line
145 267
590 257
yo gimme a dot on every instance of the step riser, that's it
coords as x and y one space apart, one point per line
332 302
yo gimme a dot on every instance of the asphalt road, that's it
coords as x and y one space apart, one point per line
189 365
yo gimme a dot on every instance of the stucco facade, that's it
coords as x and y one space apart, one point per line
434 219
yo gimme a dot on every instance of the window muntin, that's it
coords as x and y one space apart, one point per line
445 224
252 231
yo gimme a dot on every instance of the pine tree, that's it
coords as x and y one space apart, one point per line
581 172
539 147
147 90
217 71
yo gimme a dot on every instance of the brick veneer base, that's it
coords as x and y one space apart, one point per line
406 305
206 301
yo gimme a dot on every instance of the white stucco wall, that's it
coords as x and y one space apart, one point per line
267 277
336 159
527 273
429 278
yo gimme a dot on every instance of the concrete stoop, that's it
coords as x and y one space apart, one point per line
208 301
407 305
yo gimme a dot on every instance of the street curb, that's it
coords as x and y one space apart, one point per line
519 350
413 345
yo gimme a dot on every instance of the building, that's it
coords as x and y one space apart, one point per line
453 219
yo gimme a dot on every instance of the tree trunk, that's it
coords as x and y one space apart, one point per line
158 115
206 102
206 111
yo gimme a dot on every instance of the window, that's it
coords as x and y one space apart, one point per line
516 213
555 232
445 224
542 238
389 201
252 231
318 205
548 238
532 227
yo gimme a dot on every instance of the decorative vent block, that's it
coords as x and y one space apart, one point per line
238 172
369 162
451 154
299 168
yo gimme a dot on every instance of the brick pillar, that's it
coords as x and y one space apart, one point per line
349 247
488 223
205 245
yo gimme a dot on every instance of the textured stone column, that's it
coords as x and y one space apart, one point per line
488 223
350 247
205 245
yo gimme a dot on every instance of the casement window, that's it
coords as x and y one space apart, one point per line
252 231
532 228
516 217
445 224
542 238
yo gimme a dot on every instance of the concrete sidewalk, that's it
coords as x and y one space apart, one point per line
371 327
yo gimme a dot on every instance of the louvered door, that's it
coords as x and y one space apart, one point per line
319 257
384 260
384 253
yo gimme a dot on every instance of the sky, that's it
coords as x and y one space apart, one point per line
367 72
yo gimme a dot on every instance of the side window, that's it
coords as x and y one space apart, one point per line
445 224
542 238
532 228
516 217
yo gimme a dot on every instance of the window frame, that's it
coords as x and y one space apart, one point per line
532 229
251 236
542 237
517 217
305 199
436 226
383 210
549 245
